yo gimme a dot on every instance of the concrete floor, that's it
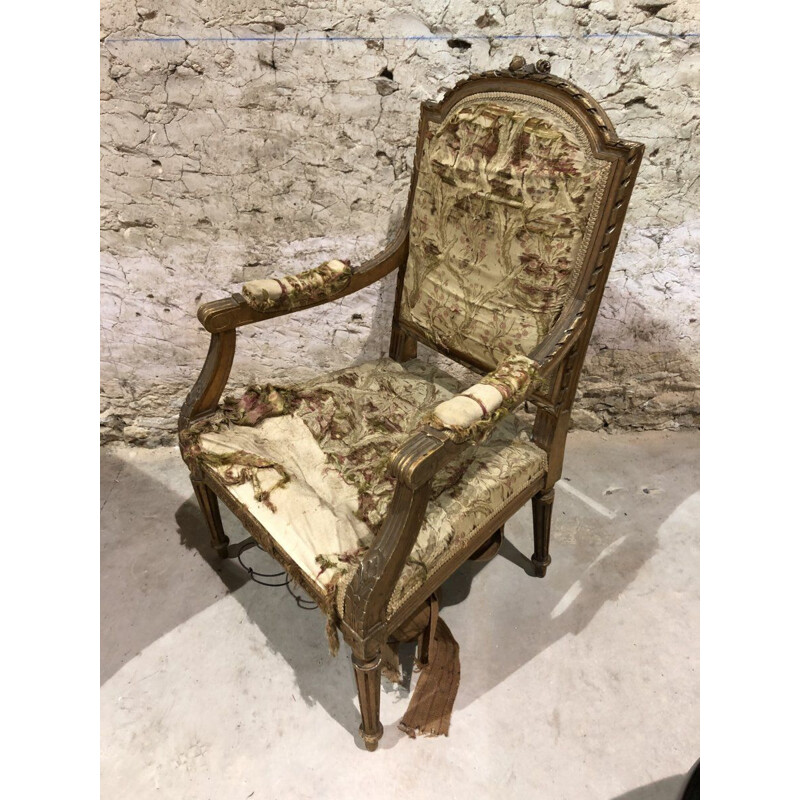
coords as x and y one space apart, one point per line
582 685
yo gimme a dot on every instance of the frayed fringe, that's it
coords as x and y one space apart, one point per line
310 286
328 607
390 662
331 629
248 466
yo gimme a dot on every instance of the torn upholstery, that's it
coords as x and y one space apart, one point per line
434 696
329 493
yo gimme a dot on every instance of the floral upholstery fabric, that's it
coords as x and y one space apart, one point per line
507 198
472 413
292 291
314 470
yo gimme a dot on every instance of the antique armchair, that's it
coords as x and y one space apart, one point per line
372 485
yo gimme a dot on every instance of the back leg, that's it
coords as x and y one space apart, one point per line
428 632
542 512
209 505
488 551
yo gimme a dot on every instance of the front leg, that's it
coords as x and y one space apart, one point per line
368 593
209 505
368 683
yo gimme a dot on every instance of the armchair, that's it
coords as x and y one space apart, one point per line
372 485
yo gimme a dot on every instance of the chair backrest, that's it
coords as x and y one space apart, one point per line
514 174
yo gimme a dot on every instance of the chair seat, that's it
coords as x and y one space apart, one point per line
315 476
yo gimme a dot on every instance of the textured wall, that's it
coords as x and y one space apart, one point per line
245 139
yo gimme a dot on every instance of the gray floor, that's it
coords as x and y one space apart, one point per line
582 685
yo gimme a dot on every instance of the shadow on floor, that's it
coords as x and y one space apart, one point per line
583 578
665 789
156 577
151 580
297 635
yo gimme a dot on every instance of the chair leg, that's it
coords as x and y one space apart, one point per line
428 632
368 682
542 513
209 505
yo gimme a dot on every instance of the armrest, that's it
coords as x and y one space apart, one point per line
222 317
462 420
448 429
319 283
471 415
367 595
306 290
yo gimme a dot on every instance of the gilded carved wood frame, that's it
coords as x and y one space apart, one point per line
364 623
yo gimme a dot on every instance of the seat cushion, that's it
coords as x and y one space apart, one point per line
314 475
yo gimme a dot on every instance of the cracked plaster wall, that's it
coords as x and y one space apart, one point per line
224 161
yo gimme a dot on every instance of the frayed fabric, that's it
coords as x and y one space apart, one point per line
431 706
390 662
512 379
357 418
332 617
305 288
257 403
477 432
242 467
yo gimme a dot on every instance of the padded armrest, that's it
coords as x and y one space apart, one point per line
310 286
474 412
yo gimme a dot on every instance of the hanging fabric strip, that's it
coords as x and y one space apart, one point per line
432 703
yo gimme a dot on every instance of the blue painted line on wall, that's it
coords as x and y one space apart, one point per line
432 38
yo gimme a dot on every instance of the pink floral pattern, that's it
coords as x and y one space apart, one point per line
503 211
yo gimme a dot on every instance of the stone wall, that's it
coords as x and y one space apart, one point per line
245 139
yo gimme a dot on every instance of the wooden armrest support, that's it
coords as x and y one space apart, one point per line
367 596
202 400
422 456
234 312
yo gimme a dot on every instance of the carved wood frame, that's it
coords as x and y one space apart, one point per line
559 356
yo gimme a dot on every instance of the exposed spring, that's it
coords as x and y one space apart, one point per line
258 576
303 602
273 579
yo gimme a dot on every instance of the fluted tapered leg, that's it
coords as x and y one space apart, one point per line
428 632
209 505
542 513
368 683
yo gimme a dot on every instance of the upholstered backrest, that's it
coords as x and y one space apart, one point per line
507 197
